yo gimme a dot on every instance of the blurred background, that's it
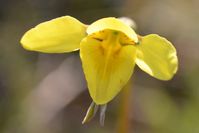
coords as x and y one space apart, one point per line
47 93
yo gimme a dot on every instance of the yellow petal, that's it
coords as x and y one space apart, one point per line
157 57
107 67
112 24
59 35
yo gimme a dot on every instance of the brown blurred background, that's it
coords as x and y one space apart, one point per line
47 93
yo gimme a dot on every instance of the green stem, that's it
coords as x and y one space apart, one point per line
123 121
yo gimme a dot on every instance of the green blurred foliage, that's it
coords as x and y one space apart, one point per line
26 78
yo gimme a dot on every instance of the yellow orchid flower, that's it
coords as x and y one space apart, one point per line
109 50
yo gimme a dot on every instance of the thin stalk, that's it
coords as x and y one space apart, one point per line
123 125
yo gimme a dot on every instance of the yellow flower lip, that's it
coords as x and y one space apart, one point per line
114 24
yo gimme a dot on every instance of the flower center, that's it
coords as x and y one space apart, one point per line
112 38
111 41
